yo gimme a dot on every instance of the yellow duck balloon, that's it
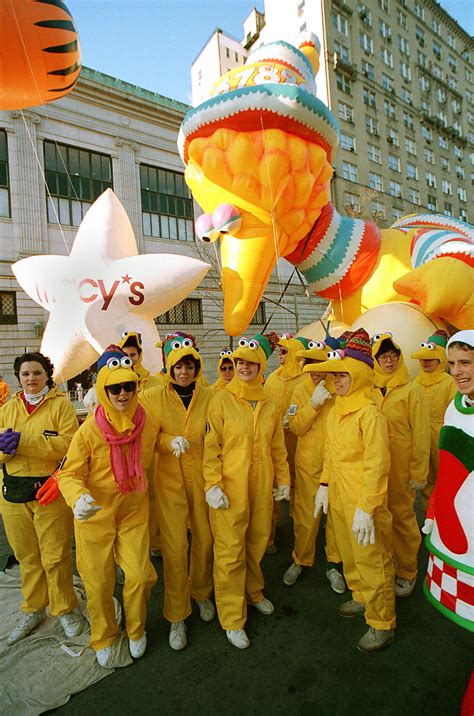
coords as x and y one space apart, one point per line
258 156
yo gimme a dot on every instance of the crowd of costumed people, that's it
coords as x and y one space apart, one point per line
168 465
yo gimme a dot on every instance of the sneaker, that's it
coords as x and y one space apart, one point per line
73 623
29 621
137 646
207 610
351 608
271 549
292 574
336 581
238 638
104 657
178 636
404 587
375 640
264 607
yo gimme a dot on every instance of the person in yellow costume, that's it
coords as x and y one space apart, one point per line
161 377
131 344
4 391
244 452
182 408
103 480
439 390
281 383
36 426
408 419
311 402
225 369
354 485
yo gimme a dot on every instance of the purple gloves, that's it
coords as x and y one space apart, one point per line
9 441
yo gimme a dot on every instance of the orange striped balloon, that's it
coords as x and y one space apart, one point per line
40 56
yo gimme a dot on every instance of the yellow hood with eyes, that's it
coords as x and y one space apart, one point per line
381 378
121 421
177 354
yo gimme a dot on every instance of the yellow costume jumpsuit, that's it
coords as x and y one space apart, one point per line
244 452
41 536
119 531
180 498
281 384
409 433
309 426
356 465
439 390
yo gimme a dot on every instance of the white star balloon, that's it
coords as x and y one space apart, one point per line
104 288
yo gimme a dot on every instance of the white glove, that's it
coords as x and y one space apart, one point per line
84 508
179 445
428 526
216 498
413 485
282 492
321 500
363 527
320 395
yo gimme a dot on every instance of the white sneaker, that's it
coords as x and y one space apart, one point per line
103 657
238 638
264 607
29 621
336 580
207 610
292 574
177 638
137 646
73 623
404 587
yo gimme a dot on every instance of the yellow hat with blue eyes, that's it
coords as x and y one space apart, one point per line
114 366
177 346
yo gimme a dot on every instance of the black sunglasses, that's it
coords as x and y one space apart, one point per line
116 389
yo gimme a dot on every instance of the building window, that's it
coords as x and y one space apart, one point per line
167 207
408 121
459 171
421 58
427 134
462 194
444 163
447 187
420 35
414 196
4 183
369 97
345 112
401 18
452 83
75 179
419 11
430 179
347 142
374 154
378 209
448 209
386 57
259 317
436 26
349 171
412 171
403 45
389 109
463 214
387 83
392 138
339 24
436 71
383 5
424 84
368 70
405 71
432 203
395 189
457 151
343 83
385 30
396 214
375 181
443 142
352 202
366 42
227 53
406 96
341 51
451 42
410 146
372 125
8 312
188 312
394 163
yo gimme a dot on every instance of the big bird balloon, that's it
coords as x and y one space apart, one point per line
259 155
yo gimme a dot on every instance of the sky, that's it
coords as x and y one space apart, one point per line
153 43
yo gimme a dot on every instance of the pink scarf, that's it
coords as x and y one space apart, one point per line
128 471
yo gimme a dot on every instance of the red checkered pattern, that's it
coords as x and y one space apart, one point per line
453 588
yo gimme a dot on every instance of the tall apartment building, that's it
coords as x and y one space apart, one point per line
108 133
398 76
